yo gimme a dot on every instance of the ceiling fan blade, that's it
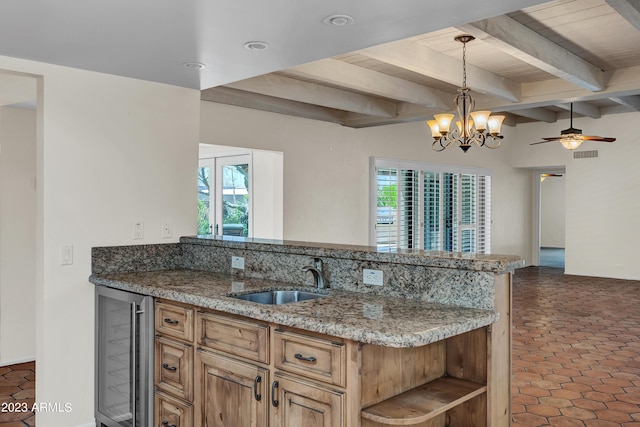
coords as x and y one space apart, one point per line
597 138
555 138
541 142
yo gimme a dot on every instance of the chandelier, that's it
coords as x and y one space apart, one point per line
473 127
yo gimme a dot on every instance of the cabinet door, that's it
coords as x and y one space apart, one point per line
305 404
230 392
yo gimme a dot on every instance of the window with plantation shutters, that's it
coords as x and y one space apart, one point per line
428 206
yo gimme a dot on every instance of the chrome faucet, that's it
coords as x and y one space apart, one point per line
316 270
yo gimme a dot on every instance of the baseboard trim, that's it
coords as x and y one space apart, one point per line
15 362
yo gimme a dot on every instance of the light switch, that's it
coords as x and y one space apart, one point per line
66 255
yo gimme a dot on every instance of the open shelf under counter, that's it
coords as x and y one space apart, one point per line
423 403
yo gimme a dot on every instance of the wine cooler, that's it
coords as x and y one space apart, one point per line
123 359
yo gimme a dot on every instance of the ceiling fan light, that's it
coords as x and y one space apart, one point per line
444 122
571 142
495 124
481 118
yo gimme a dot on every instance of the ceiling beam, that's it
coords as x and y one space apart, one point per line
628 9
312 93
428 62
539 114
357 78
622 82
583 109
240 98
632 101
516 39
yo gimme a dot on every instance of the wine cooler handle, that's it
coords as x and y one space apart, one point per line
257 381
274 401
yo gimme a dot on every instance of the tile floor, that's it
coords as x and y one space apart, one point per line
576 350
17 386
576 354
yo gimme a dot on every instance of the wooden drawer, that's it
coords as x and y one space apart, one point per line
174 320
174 368
171 412
233 336
313 357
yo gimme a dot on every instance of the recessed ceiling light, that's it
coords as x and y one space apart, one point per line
338 20
256 45
194 65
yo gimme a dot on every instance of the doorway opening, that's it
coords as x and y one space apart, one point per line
240 192
551 202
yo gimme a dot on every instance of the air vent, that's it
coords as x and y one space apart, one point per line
591 154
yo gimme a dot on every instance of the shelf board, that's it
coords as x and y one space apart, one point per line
423 403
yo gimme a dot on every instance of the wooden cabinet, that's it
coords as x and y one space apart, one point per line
173 370
302 403
241 372
230 392
170 412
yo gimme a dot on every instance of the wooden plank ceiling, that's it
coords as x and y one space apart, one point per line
530 64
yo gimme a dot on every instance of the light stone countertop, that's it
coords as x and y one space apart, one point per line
372 319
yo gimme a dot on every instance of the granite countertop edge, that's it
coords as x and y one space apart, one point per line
404 323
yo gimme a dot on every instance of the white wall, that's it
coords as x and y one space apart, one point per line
268 188
17 234
552 212
326 172
602 203
110 151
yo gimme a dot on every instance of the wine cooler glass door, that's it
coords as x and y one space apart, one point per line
120 362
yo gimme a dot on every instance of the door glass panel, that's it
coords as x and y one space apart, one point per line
204 199
235 200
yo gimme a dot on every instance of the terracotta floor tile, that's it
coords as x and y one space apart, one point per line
583 337
15 387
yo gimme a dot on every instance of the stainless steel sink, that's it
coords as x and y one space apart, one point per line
279 297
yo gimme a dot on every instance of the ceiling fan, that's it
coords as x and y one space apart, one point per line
572 138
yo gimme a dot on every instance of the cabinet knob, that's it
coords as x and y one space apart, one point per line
170 321
166 424
168 368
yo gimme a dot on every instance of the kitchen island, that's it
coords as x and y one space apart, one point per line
400 354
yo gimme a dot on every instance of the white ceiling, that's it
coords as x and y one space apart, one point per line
531 64
397 62
151 39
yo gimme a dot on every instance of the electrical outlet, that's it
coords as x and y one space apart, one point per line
165 230
237 262
138 230
372 277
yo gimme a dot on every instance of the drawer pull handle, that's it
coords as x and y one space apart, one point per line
274 401
257 381
310 359
168 368
170 321
166 424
